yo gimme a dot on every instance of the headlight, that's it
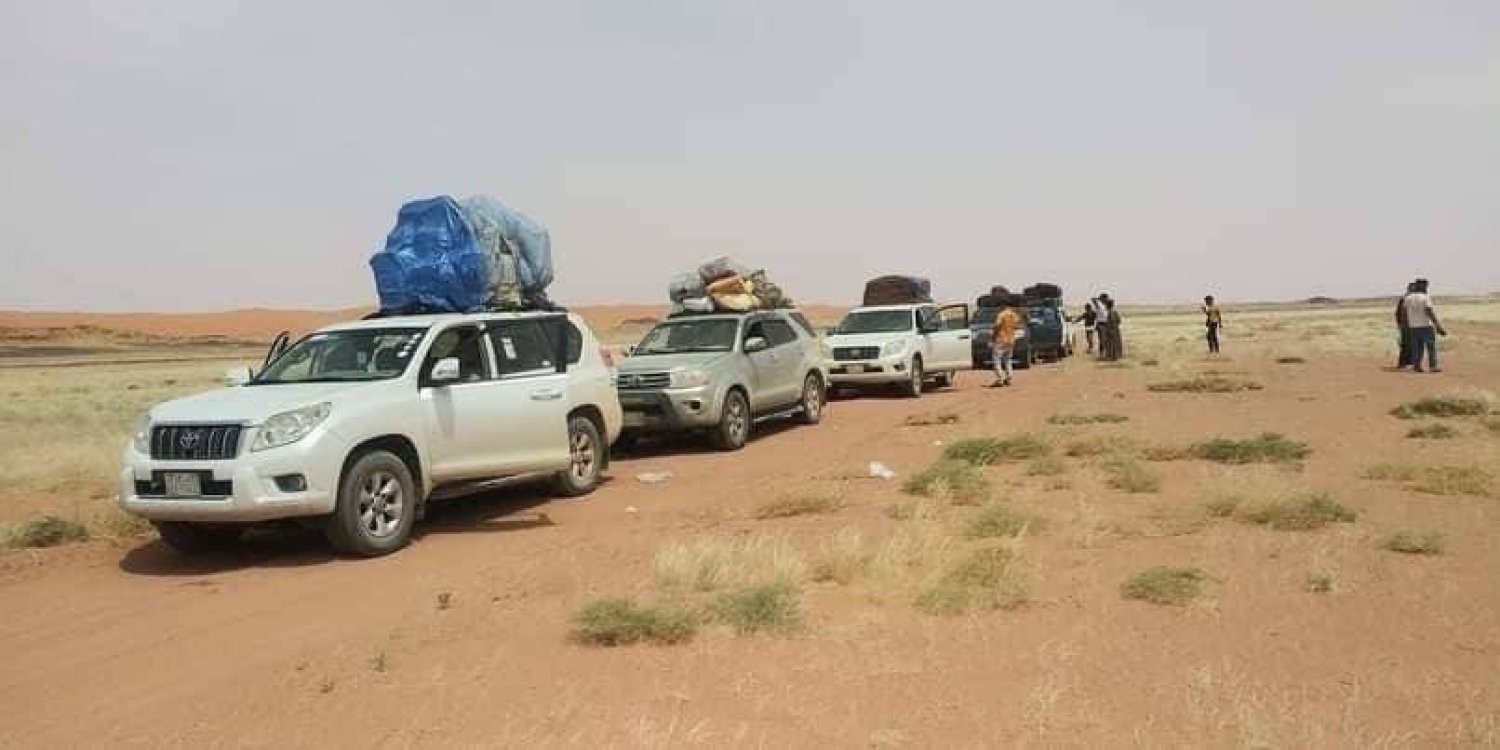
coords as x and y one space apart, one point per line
893 348
290 426
141 434
689 378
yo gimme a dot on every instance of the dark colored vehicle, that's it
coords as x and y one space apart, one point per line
1047 335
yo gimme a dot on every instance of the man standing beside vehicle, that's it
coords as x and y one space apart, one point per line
1003 341
1403 329
1089 319
1213 319
1425 327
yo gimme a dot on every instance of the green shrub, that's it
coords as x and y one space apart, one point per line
1443 406
987 451
1165 585
620 622
960 482
1099 446
1303 514
1204 384
1415 543
1453 480
1268 447
47 531
760 609
1392 472
1432 432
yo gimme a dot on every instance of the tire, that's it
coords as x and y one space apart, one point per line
1025 361
199 538
377 506
945 380
733 430
585 459
913 387
814 398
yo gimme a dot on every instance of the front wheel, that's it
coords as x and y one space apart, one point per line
733 430
813 400
198 538
376 507
913 388
585 459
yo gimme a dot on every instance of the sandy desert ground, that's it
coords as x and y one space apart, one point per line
995 610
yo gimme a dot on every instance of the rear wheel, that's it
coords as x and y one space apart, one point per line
733 430
585 459
945 380
1024 359
376 507
813 400
913 387
198 538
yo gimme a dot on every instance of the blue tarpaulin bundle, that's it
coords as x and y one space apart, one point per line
495 222
431 261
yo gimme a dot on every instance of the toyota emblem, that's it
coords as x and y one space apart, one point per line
189 440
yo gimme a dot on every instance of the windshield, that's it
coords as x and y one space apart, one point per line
878 321
338 356
986 315
690 336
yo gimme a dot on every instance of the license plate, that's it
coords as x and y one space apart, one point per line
854 369
179 484
634 419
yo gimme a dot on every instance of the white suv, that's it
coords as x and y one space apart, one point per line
902 345
358 424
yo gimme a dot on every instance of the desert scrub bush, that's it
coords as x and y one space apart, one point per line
47 531
1099 446
620 622
1388 472
1435 431
114 523
996 521
1443 406
1204 384
1129 475
985 579
1320 583
1047 466
1082 419
987 451
1165 453
1223 507
1435 480
1415 543
1290 361
1302 514
1268 447
842 559
773 608
921 510
799 505
961 483
714 563
931 420
1165 585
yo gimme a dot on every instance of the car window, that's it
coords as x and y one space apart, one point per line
523 348
954 318
464 343
805 323
681 336
575 343
359 354
757 329
779 333
877 321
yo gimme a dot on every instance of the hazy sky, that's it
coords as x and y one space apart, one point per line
205 154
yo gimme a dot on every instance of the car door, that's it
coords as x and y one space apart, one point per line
533 379
950 338
764 366
464 419
788 362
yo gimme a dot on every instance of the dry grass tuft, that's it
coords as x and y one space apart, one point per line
799 505
1435 431
987 451
1083 419
1415 543
842 559
996 521
47 531
1129 475
1388 472
1099 446
716 563
1224 506
620 622
1435 480
1165 585
1047 466
931 420
920 510
1290 361
1164 453
1320 583
985 579
1268 447
1302 514
772 608
961 483
1444 406
1204 384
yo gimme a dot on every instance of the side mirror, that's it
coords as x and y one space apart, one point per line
238 376
445 371
756 344
630 350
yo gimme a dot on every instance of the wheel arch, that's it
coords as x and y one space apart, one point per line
399 445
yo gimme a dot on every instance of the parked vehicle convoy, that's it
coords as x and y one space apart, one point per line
1047 335
900 345
356 426
720 373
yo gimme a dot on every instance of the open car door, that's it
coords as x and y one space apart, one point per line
950 337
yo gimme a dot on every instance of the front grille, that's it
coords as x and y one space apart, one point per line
156 486
639 381
195 442
849 353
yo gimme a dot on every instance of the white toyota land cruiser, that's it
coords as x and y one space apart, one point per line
356 425
902 345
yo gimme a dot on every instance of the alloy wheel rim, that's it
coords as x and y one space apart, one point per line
583 456
381 504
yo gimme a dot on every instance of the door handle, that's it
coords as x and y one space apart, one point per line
964 337
546 395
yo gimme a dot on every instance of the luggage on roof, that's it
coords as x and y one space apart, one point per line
431 261
897 290
1043 291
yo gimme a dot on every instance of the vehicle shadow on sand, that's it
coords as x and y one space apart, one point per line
692 443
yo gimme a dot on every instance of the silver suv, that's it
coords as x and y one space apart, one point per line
720 373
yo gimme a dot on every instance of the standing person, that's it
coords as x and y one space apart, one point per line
1003 341
1089 319
1101 324
1403 329
1424 325
1213 319
1116 339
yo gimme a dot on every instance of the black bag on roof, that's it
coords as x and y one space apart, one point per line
1043 291
897 290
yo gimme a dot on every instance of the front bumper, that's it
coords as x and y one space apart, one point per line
869 372
239 490
984 352
669 410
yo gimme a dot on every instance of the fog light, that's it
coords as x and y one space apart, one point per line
291 483
695 405
899 367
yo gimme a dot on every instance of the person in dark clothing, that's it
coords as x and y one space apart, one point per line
1116 339
1213 319
1424 326
1101 324
1403 329
1090 320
